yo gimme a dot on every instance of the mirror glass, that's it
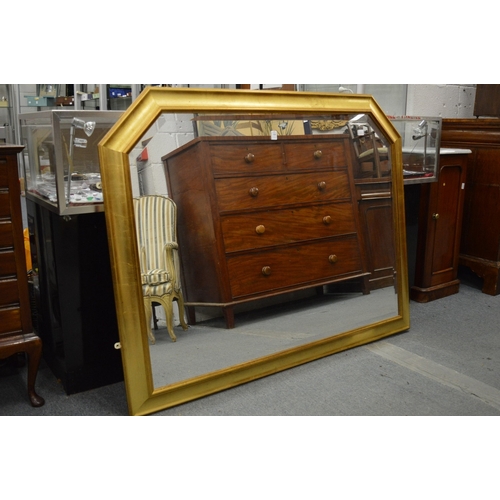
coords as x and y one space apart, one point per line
288 225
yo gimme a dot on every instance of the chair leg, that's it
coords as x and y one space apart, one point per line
155 320
34 351
170 323
148 308
182 312
167 303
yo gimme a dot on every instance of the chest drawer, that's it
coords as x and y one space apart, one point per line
6 236
7 264
5 210
241 193
293 266
246 158
278 227
10 321
9 292
4 181
313 155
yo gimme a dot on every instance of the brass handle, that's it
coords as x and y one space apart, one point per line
249 158
266 271
332 259
318 154
322 185
327 220
253 192
435 216
260 229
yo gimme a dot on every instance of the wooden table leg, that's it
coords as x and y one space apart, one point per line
191 314
31 344
33 349
228 316
486 269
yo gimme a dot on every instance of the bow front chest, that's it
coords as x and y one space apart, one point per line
260 217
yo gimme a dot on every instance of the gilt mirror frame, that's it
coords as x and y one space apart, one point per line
142 397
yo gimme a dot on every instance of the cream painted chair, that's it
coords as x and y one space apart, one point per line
156 221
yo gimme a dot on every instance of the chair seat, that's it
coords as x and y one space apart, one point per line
369 152
157 290
155 277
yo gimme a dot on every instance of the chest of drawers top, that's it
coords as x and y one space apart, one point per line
233 156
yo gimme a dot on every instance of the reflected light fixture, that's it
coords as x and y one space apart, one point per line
420 130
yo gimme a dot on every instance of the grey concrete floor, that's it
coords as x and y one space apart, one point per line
447 364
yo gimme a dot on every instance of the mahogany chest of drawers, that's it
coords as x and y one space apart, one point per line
260 217
16 330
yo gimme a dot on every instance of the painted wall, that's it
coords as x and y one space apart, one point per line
443 100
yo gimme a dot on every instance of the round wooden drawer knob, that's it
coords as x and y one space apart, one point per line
318 154
249 158
332 259
322 185
260 229
253 192
266 271
327 220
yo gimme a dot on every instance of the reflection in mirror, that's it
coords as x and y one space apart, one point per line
290 238
282 234
421 138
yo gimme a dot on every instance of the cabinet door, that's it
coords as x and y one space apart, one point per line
376 219
444 214
439 230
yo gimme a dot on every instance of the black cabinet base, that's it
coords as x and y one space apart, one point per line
73 298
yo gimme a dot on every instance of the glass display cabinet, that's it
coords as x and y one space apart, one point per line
421 144
76 319
61 160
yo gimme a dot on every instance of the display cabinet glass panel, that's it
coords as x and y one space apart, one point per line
6 133
61 161
421 144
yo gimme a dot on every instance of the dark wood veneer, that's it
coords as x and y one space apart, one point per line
480 241
16 329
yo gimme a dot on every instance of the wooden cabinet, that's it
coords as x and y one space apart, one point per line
439 230
375 211
258 217
16 330
480 242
